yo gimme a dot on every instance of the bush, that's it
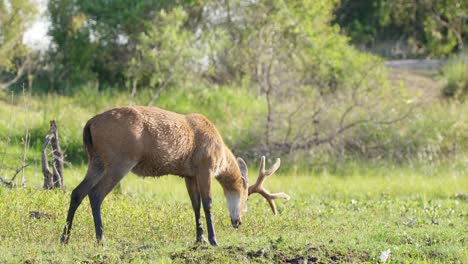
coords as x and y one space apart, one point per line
417 28
455 76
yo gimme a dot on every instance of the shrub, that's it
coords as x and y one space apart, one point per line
455 76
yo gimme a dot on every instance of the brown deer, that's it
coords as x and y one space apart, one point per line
153 142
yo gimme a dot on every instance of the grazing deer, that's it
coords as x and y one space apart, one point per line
153 142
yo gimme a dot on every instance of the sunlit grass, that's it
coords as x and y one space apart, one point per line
348 218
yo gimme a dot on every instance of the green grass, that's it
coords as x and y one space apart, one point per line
454 75
351 219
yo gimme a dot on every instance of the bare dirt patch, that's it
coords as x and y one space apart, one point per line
422 84
270 254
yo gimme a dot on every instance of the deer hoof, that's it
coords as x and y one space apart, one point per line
202 240
64 238
100 241
213 242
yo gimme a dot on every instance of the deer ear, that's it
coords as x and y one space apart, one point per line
243 169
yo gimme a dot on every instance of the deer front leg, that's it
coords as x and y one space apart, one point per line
204 185
194 193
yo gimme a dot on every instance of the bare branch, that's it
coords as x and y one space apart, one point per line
8 184
290 121
343 128
18 170
19 73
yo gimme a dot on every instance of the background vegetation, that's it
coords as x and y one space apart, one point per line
289 79
402 29
302 90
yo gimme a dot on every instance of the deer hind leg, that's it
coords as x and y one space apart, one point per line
99 192
93 176
204 186
194 193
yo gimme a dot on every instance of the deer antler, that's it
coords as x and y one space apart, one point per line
257 187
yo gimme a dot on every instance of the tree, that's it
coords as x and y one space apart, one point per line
426 27
316 87
163 54
96 40
15 16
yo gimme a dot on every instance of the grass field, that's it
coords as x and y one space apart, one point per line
329 218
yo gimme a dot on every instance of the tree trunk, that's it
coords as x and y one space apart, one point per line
52 179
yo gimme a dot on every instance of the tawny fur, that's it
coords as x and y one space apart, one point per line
161 142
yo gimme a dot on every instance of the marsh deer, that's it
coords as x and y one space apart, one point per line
153 142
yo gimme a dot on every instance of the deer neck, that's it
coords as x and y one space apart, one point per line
230 178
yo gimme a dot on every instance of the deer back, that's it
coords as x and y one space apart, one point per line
160 142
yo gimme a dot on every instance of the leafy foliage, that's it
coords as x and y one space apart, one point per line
94 40
15 16
455 76
164 55
431 27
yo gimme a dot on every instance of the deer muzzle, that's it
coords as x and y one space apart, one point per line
236 223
